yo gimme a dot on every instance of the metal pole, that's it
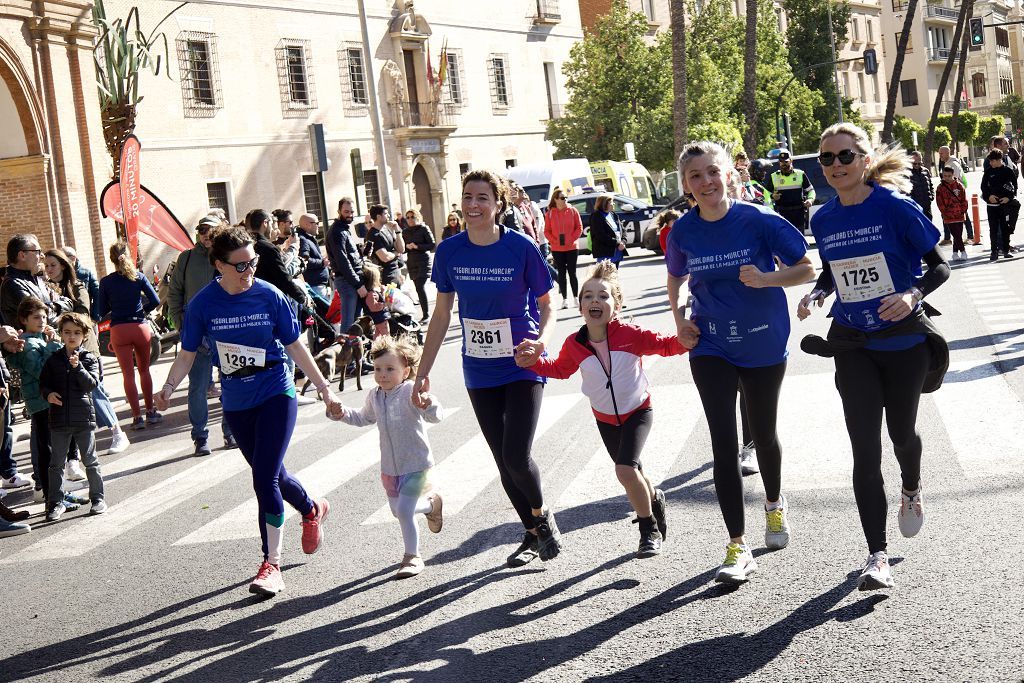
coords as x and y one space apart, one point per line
383 177
835 70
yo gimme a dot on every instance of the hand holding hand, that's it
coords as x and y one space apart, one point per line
54 398
752 276
528 352
333 408
896 306
420 395
688 333
162 399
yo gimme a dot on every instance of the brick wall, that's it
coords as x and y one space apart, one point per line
23 201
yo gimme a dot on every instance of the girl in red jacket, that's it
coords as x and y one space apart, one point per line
608 353
952 200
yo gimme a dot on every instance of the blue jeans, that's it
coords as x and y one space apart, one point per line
8 466
199 378
349 303
106 417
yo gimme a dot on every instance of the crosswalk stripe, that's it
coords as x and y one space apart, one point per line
677 409
1002 316
464 474
989 442
319 479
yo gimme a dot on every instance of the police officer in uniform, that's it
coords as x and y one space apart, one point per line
791 191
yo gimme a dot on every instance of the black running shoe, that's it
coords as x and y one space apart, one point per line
549 540
650 537
658 508
525 553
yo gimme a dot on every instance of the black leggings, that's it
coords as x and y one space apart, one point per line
717 381
625 442
421 290
508 417
870 381
565 262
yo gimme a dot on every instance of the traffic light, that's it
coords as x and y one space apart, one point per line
870 62
977 26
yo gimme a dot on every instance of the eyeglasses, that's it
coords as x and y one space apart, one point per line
243 266
845 157
33 251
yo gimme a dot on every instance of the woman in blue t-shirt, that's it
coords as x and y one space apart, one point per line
503 285
724 250
251 327
872 239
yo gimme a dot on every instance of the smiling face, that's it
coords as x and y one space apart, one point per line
479 205
706 181
597 302
54 270
844 177
232 280
389 371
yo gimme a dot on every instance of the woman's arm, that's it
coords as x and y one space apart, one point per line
148 293
800 272
175 376
686 330
300 354
436 331
529 350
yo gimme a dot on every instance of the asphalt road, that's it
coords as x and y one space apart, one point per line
156 589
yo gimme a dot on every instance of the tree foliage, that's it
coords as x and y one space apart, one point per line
1012 106
988 128
903 130
807 37
967 125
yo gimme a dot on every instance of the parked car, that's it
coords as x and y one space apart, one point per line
634 215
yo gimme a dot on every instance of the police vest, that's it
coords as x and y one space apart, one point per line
791 188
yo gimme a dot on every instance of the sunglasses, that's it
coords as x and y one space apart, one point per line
845 157
243 266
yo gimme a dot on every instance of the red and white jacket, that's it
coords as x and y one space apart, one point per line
617 392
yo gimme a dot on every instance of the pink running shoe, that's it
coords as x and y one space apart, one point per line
268 581
312 528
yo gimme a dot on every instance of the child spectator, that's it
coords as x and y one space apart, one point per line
405 457
374 300
952 200
999 190
67 381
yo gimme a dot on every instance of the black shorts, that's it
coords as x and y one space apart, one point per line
625 442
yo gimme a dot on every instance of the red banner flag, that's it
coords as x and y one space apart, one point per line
130 191
154 218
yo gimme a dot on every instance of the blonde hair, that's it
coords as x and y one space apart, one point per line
405 347
605 271
122 259
888 166
715 150
371 276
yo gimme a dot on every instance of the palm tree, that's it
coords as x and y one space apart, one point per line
966 7
897 71
121 52
750 80
961 69
680 122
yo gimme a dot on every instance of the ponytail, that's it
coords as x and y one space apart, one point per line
123 261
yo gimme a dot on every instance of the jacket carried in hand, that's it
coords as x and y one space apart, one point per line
74 385
952 201
403 433
618 391
29 363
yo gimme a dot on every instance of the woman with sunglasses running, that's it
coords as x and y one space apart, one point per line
872 238
253 327
725 250
563 228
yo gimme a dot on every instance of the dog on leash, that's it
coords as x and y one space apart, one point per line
347 348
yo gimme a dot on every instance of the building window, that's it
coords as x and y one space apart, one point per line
878 89
554 108
856 29
510 163
910 42
648 9
899 5
218 196
862 86
371 186
453 77
1005 84
978 85
354 90
200 78
908 91
501 92
311 195
464 169
295 75
1002 39
870 26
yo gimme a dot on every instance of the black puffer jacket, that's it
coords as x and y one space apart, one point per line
271 269
74 385
18 285
346 260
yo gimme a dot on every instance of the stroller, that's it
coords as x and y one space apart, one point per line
402 309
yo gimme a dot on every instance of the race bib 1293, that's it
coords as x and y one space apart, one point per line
237 356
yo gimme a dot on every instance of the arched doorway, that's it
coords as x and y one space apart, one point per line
423 195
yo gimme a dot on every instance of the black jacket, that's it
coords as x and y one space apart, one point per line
1001 182
921 190
271 269
17 286
74 385
315 273
344 254
418 259
603 240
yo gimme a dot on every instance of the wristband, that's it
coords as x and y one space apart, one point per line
168 384
917 294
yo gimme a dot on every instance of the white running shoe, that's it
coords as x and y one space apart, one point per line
73 471
876 573
15 482
748 459
739 564
565 303
38 496
911 516
119 443
776 526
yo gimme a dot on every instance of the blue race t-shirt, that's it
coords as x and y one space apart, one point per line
498 286
874 249
747 326
259 318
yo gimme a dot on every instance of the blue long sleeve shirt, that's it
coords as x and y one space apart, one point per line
127 301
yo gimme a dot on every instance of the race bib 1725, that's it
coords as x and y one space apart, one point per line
862 278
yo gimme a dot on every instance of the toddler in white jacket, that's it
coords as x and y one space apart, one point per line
405 457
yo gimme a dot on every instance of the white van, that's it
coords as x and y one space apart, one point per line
540 180
629 178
